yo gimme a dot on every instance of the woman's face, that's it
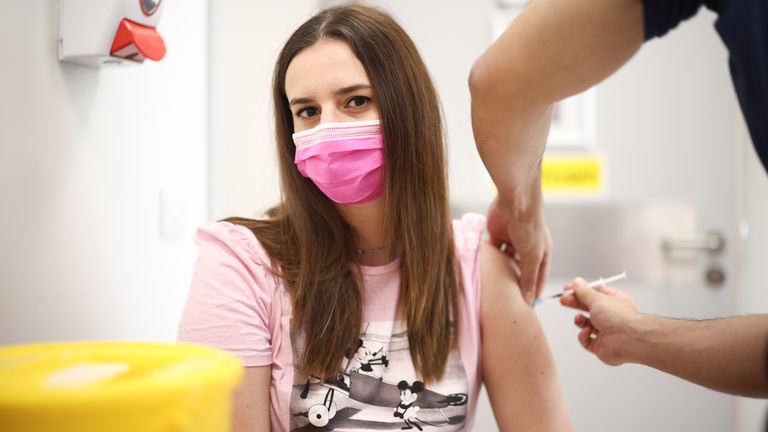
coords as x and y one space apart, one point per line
326 83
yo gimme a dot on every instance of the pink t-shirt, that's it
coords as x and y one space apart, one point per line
237 305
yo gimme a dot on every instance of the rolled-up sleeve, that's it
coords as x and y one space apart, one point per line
661 16
229 302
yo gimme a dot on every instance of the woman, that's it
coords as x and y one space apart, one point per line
356 303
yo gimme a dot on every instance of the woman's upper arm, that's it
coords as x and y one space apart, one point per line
250 408
518 369
229 305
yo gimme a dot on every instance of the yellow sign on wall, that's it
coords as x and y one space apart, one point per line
572 175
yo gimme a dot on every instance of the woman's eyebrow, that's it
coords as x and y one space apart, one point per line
340 91
297 101
351 88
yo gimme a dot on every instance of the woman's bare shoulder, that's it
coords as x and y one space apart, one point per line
500 276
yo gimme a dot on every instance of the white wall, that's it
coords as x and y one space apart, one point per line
84 154
246 37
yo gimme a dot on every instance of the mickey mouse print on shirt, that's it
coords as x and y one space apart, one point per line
377 388
406 409
368 355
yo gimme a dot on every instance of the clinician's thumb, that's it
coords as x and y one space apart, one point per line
586 295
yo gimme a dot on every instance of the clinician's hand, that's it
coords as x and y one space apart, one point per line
527 239
608 330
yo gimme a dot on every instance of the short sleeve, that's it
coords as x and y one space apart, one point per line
661 16
230 299
468 235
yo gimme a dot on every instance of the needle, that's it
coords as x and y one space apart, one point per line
593 284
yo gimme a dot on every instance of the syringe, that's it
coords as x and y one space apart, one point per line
593 284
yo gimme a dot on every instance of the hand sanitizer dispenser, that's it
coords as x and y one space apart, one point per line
110 32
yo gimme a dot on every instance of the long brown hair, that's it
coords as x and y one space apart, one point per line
309 242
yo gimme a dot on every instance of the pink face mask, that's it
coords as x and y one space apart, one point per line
344 160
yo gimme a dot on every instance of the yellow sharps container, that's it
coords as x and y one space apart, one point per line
116 387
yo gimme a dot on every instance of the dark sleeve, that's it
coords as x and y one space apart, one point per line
661 16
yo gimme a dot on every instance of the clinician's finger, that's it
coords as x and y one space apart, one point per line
571 301
579 282
606 290
581 321
505 246
584 337
495 241
543 271
529 268
516 270
586 296
573 284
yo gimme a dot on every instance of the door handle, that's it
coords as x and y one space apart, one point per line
712 242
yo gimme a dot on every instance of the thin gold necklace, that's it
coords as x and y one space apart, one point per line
370 250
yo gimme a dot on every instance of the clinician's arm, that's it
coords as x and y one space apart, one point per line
727 355
250 408
518 370
552 50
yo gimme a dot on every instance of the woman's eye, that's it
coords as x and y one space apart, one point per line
307 112
358 101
